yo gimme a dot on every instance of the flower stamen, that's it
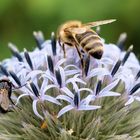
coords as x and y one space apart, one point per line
15 52
116 67
86 65
127 54
53 43
121 41
39 38
14 76
98 87
76 99
50 64
28 59
138 75
58 77
135 88
3 70
34 89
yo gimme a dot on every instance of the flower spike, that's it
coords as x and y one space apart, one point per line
28 59
135 88
53 43
116 67
76 99
55 86
50 64
3 70
39 38
58 77
15 52
127 54
122 40
14 76
98 88
34 89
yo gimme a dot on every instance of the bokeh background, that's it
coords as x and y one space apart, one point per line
19 18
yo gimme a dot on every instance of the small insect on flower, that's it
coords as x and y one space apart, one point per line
5 94
43 125
74 33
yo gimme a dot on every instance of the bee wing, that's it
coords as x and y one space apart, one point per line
98 23
78 30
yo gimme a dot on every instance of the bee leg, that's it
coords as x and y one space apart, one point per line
64 50
81 58
59 41
86 64
15 87
14 106
12 101
63 46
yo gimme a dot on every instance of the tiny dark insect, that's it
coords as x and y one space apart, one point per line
5 94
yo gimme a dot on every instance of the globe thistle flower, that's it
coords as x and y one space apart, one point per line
75 103
55 98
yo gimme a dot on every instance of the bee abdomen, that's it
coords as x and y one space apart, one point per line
94 48
80 37
89 39
91 43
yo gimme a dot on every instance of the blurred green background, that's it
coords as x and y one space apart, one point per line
19 18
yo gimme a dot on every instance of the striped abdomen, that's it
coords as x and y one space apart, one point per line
91 43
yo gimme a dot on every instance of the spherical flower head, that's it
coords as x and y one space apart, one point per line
72 98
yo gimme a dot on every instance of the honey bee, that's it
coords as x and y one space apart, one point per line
74 33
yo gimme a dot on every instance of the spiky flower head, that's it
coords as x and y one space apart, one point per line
55 98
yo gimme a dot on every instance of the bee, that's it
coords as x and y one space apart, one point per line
74 33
